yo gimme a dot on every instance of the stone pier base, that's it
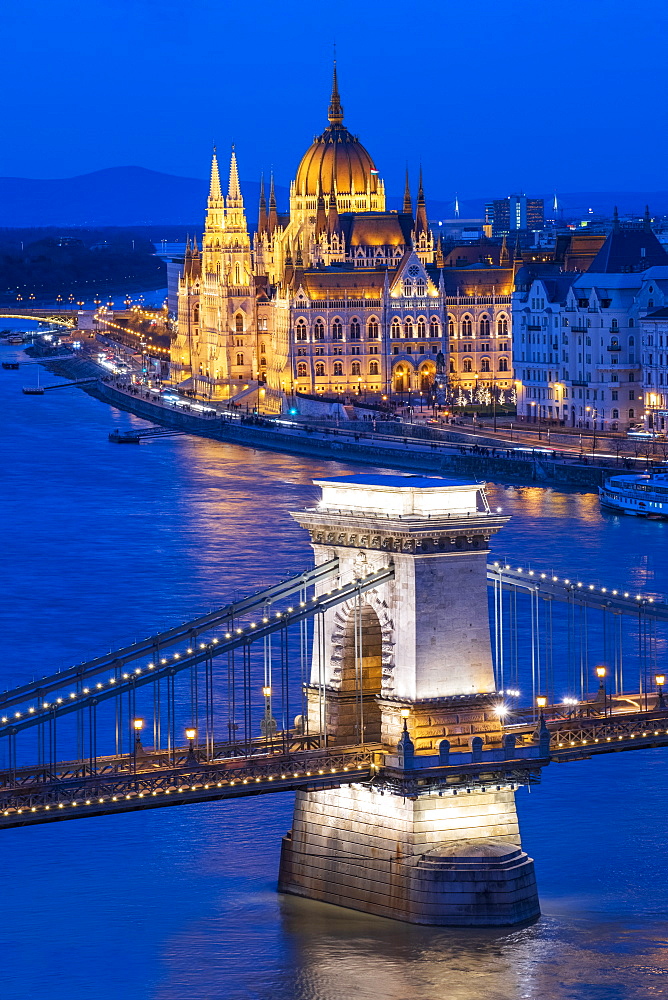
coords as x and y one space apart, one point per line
450 860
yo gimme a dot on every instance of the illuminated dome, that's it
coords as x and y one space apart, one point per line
337 161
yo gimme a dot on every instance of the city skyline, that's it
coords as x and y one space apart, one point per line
463 108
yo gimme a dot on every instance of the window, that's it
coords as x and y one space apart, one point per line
338 368
503 364
421 328
484 365
354 329
337 330
614 325
502 326
632 394
319 330
373 329
631 324
196 313
484 326
373 368
419 287
467 365
451 327
396 329
319 369
239 323
408 328
434 327
615 414
355 369
240 359
302 369
408 288
301 330
615 394
467 327
632 414
452 368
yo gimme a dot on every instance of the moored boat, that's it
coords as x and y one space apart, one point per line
644 495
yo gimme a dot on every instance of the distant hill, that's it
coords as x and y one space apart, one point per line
119 196
133 196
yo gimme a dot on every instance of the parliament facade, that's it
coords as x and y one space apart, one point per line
339 296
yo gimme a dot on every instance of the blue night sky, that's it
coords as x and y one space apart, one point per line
491 97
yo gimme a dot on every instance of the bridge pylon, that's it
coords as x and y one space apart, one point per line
409 665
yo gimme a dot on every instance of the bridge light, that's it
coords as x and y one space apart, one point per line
501 710
137 725
541 701
601 672
266 691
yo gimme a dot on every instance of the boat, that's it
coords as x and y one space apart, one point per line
641 495
10 365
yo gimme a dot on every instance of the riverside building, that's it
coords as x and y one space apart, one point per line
338 296
578 337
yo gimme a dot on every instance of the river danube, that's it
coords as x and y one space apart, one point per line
104 543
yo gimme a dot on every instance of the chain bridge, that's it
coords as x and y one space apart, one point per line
404 688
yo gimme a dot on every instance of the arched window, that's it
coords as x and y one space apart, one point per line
373 368
355 368
632 413
240 359
502 326
650 303
337 329
373 328
396 329
301 330
467 327
319 369
484 365
631 342
614 325
408 288
467 364
451 326
421 327
354 329
452 368
319 330
484 326
503 364
631 323
239 323
338 368
408 328
196 313
237 274
615 414
419 287
434 327
302 369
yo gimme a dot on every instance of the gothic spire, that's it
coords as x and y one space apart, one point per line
332 215
408 204
335 113
233 189
272 220
262 213
214 185
421 225
615 220
647 221
321 215
504 257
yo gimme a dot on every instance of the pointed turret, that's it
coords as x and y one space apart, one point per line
214 184
647 225
335 113
456 206
504 257
333 225
262 211
272 220
421 225
408 204
518 260
615 220
234 199
321 216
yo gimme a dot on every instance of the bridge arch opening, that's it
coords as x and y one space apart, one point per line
360 677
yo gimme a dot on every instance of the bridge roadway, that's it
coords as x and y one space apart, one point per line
146 780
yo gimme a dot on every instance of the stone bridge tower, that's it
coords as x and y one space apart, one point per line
414 653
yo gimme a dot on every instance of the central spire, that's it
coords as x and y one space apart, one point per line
335 113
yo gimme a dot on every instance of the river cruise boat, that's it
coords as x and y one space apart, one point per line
642 495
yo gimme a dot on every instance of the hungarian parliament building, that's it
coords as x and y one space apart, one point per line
340 295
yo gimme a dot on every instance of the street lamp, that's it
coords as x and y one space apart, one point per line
660 681
137 748
541 702
601 673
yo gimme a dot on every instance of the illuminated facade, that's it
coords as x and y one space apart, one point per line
339 296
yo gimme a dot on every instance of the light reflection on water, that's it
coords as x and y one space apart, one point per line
104 543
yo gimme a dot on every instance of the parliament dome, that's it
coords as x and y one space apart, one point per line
336 161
